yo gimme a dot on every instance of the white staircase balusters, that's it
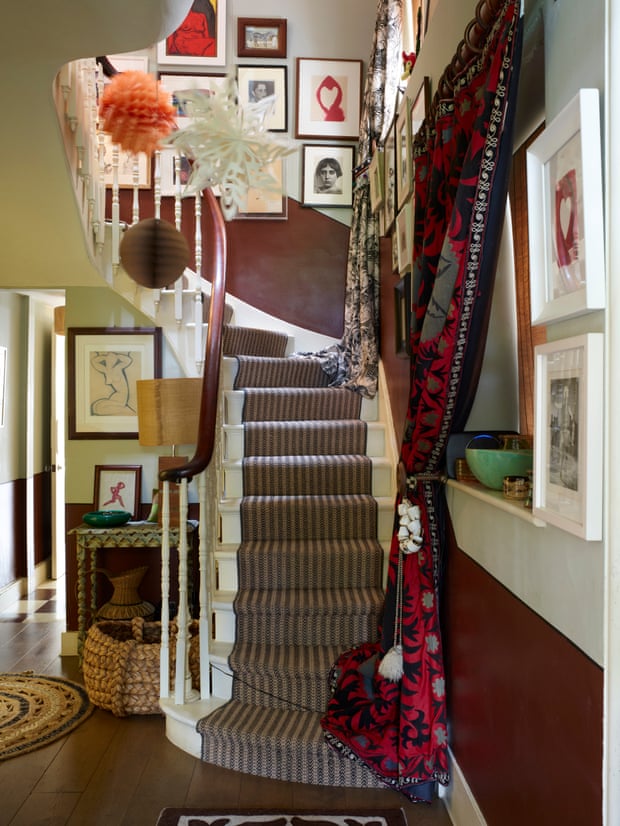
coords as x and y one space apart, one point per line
164 661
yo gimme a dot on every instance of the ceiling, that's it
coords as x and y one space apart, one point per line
41 236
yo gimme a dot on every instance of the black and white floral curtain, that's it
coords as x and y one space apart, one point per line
353 362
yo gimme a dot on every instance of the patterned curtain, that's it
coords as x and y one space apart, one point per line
353 362
388 708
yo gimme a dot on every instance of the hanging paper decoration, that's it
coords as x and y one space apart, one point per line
136 111
228 144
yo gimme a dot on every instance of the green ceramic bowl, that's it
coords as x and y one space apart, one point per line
106 519
490 466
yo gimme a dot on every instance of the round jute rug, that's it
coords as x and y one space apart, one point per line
36 710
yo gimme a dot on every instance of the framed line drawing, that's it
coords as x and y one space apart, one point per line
568 435
404 237
565 213
255 83
327 175
117 487
375 177
328 98
104 364
389 178
418 107
261 37
200 40
402 140
267 203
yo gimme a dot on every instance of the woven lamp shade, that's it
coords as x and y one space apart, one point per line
154 253
168 411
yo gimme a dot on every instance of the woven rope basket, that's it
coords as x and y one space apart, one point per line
121 664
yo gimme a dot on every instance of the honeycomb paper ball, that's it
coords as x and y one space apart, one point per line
154 253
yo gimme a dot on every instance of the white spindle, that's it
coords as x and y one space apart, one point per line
182 682
116 211
164 662
205 563
198 301
178 284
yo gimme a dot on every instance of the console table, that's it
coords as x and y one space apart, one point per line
90 540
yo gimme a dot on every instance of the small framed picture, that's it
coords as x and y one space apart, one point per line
200 40
402 137
117 488
402 316
128 63
256 83
174 171
126 168
565 213
269 203
104 364
177 84
329 96
389 179
418 107
568 434
404 236
375 177
327 175
261 37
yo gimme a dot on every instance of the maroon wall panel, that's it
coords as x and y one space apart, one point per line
525 706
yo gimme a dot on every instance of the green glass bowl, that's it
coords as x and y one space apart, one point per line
106 519
490 466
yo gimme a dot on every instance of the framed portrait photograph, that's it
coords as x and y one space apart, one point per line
329 96
375 178
565 213
389 178
256 83
402 138
104 364
177 84
269 203
261 37
126 168
404 237
568 435
117 488
200 40
327 175
402 316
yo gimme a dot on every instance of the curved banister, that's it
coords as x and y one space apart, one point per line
211 372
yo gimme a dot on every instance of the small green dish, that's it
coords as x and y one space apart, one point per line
106 519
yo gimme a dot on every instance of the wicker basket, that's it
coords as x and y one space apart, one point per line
121 664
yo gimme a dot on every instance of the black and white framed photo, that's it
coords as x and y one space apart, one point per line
565 213
568 435
327 175
258 83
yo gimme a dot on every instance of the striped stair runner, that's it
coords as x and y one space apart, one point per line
309 571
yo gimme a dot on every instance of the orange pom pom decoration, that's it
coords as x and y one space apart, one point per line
136 111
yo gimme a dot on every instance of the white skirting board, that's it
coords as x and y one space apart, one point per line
459 800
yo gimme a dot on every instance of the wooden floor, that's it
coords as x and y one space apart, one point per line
122 772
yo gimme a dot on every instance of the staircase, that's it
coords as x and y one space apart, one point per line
300 567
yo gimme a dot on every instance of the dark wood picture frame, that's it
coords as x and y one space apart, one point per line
269 31
102 401
124 493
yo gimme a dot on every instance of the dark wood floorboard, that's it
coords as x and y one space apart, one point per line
123 772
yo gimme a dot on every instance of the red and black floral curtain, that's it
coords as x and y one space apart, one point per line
388 707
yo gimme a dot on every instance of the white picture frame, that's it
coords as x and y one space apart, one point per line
568 435
404 236
565 213
338 157
328 99
274 80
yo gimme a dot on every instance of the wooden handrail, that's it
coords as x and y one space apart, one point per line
211 373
